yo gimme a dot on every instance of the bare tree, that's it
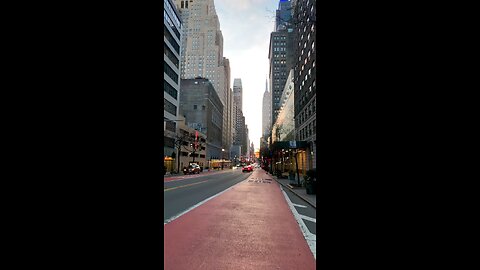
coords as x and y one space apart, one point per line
189 143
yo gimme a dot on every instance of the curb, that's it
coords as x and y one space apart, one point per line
293 191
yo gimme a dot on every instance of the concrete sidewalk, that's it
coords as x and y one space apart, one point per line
299 191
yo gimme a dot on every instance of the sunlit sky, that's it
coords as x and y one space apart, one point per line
246 26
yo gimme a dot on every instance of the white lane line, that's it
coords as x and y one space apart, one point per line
299 205
198 204
308 218
309 237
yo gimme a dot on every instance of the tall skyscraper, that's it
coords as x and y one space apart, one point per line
266 112
202 54
171 77
238 93
202 109
283 15
239 118
304 77
281 54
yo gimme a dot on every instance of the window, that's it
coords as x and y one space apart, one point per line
170 55
203 107
170 89
171 40
169 107
170 126
182 5
170 72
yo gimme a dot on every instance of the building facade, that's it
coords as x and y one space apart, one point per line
266 112
281 54
239 143
192 150
203 111
305 78
171 77
284 127
202 54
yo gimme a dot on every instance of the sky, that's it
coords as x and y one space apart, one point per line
246 26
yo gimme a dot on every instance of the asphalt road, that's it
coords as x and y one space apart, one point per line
306 211
182 194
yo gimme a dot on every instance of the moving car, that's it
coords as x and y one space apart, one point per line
191 169
248 168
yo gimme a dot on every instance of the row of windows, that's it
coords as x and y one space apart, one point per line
171 9
169 107
170 55
171 40
170 126
170 72
195 107
279 38
308 111
184 4
174 28
170 89
307 131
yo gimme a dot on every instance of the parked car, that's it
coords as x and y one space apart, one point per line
247 168
191 169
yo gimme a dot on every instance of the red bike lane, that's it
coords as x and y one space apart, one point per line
248 227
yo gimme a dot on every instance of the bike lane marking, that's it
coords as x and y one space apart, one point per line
249 227
309 237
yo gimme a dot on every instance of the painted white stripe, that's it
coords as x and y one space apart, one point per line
308 218
198 204
309 237
299 205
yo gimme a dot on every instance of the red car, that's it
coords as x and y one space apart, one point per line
248 168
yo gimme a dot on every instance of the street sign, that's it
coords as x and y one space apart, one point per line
293 144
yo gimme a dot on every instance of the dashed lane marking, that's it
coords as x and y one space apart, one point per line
299 205
198 204
308 218
309 237
168 189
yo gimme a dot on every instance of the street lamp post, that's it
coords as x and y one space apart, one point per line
223 154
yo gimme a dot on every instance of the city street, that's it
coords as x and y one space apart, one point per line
184 191
235 220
